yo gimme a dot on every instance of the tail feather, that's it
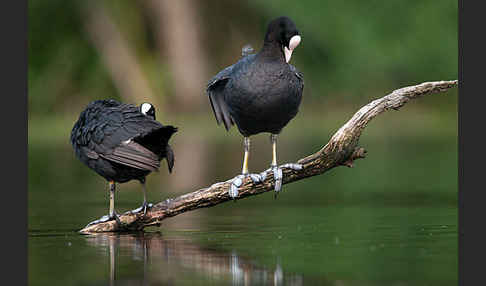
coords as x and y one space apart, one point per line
169 157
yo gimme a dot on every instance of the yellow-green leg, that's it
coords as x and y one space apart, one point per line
237 181
277 171
112 213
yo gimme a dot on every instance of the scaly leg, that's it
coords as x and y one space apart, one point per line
277 171
238 180
145 205
112 214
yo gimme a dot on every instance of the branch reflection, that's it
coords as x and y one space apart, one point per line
155 260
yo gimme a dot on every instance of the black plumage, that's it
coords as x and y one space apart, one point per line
121 142
262 92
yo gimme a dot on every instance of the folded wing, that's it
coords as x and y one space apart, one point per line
132 154
215 91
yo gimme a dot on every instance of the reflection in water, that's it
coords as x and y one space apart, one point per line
336 231
166 261
112 260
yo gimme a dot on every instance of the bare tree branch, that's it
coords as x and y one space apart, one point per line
341 150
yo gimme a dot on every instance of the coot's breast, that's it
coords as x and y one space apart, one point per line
263 96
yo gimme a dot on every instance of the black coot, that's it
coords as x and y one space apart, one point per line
260 93
121 142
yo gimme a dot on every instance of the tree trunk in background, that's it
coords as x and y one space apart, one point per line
178 31
116 55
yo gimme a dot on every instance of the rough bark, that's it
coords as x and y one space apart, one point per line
341 150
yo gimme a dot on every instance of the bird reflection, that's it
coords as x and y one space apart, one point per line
112 261
165 261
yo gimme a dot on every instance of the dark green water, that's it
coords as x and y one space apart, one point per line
391 220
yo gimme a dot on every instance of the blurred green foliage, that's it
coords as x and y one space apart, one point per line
62 62
350 48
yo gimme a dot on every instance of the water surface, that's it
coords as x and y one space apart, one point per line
391 220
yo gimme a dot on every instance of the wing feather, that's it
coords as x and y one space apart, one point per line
134 155
215 91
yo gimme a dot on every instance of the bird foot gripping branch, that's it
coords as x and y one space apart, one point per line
277 172
144 207
237 181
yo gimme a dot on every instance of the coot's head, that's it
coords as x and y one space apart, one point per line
284 32
148 109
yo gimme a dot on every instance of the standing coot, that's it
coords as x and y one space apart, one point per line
260 93
121 142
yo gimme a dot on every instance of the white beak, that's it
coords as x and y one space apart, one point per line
294 42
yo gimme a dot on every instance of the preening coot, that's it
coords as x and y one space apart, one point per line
121 142
260 93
